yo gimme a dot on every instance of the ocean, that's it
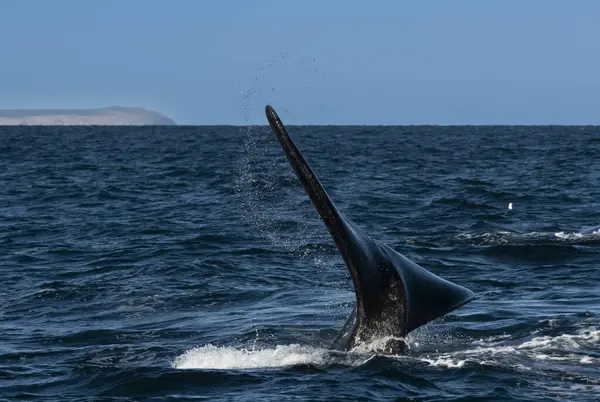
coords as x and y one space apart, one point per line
180 263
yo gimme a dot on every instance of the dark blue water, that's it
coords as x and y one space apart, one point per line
187 262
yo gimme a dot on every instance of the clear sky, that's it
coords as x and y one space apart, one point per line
315 61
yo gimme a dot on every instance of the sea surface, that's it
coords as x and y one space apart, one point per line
185 263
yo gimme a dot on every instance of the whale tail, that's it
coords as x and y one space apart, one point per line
389 288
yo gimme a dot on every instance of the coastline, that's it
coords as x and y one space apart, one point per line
108 116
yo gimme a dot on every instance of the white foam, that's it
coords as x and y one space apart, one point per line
445 362
568 236
543 356
224 358
504 237
376 345
563 347
493 350
215 357
562 341
540 343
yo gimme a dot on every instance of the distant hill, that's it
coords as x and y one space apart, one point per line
109 116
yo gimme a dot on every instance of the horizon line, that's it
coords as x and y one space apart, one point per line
398 125
318 125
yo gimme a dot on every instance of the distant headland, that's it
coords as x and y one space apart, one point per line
108 116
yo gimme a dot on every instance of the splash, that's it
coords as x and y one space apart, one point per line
270 198
230 358
376 345
214 357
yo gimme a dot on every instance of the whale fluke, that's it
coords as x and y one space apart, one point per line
394 296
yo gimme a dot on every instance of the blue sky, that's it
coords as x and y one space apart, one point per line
316 62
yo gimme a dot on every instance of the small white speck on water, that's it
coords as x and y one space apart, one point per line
510 205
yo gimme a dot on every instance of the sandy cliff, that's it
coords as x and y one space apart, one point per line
105 116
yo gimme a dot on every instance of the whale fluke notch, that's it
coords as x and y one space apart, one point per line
394 296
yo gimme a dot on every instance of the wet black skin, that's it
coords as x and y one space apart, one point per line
394 296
